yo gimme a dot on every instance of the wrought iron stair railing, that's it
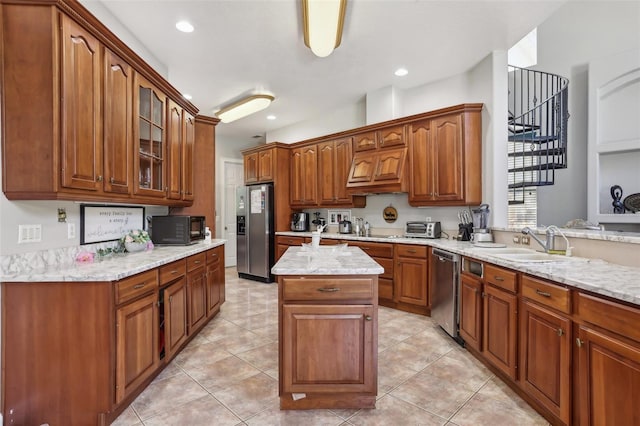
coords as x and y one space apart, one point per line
537 142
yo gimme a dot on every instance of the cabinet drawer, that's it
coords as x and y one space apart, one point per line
213 256
137 285
547 294
195 261
387 264
172 271
404 250
615 317
327 288
292 241
502 278
375 249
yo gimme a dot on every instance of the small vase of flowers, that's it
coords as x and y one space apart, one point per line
137 240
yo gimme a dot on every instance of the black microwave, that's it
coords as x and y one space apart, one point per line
177 230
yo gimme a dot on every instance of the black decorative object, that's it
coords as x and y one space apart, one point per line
616 194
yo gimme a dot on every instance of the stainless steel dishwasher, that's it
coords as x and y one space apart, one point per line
445 278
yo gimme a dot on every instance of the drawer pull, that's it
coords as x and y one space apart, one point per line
560 332
543 293
411 251
196 261
368 318
175 271
497 278
137 286
329 289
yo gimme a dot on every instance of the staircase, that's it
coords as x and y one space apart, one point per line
537 143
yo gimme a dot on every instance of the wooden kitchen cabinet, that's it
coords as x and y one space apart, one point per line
173 299
471 311
150 140
304 176
334 162
215 280
258 166
81 121
384 138
137 356
411 276
382 253
188 159
196 291
75 137
321 315
445 159
174 150
608 351
545 357
383 169
283 242
118 127
500 322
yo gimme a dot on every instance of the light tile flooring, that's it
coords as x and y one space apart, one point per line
228 375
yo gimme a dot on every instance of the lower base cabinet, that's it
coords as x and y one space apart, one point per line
545 358
500 329
471 311
410 277
79 353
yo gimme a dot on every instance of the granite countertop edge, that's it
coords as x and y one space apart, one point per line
593 275
113 268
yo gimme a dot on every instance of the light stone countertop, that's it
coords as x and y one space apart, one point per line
112 268
326 260
595 275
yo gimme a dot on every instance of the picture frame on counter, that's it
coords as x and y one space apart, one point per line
336 216
101 223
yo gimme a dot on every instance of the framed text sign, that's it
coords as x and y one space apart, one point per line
99 223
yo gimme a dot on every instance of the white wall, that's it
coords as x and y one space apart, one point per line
575 34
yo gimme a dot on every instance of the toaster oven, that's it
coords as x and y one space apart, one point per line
423 230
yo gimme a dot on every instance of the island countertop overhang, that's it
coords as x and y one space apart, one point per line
346 261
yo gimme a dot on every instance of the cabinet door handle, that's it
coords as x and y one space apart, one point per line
368 318
137 286
100 178
497 278
560 332
329 289
543 293
579 342
112 179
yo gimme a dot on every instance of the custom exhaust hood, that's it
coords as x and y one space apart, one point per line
378 171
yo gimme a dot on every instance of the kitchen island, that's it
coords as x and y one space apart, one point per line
327 328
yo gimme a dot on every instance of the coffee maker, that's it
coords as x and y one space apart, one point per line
300 222
481 230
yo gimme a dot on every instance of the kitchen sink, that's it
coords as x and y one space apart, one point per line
522 255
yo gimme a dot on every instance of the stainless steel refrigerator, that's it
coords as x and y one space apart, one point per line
255 231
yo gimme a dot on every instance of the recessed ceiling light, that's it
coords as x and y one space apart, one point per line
401 72
184 26
271 117
187 96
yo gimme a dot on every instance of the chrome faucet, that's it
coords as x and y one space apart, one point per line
549 244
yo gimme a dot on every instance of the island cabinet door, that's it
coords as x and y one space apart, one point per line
328 348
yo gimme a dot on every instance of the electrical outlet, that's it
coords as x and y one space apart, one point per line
516 239
525 239
71 231
428 218
29 234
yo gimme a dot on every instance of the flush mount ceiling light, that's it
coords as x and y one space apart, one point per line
401 72
184 26
323 22
244 107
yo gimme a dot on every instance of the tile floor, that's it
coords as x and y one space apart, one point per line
228 375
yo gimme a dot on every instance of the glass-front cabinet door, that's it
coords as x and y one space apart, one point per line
150 140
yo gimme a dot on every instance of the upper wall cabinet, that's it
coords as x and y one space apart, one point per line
304 175
384 138
334 162
445 159
258 166
72 111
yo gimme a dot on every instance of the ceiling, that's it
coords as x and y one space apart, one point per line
242 46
